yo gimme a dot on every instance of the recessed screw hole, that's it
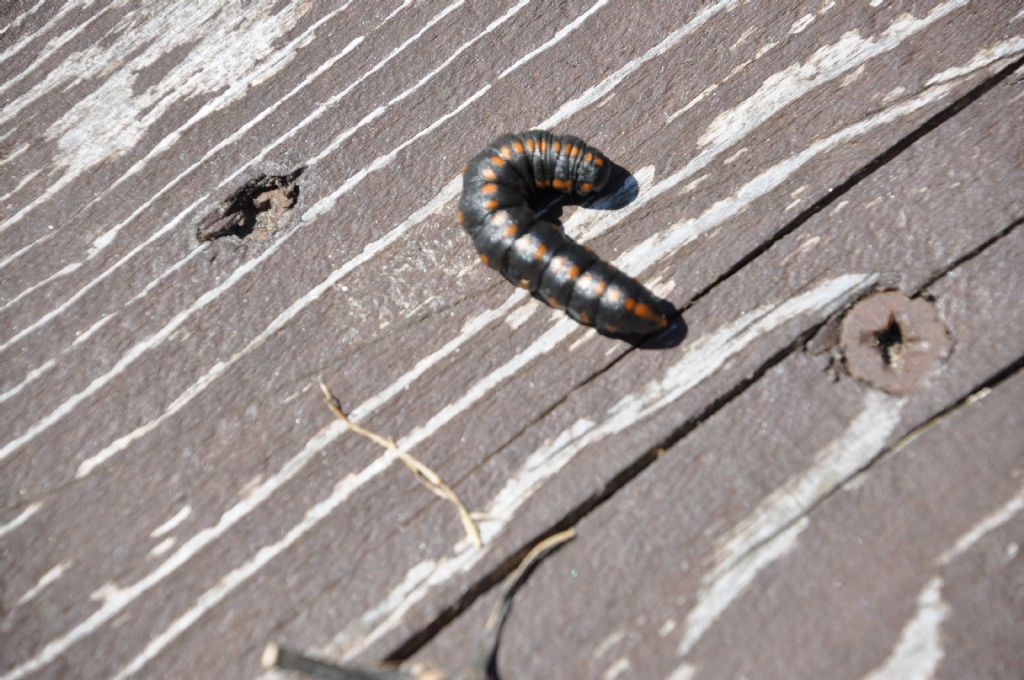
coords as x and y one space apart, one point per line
253 209
890 341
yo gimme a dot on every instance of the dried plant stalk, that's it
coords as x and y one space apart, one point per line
424 474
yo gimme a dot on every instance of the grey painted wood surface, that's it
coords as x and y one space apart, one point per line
175 492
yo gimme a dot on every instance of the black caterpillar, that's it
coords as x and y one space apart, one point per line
535 254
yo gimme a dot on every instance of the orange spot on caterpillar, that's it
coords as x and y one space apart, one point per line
543 145
490 205
553 302
489 188
486 260
518 146
497 160
598 161
612 328
629 304
530 145
511 230
645 312
614 295
574 271
524 283
588 156
574 151
556 146
489 173
585 188
558 183
538 254
460 217
584 318
506 153
599 288
465 166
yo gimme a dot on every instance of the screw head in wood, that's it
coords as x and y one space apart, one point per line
893 342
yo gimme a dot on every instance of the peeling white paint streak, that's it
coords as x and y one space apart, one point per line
719 593
992 521
137 351
862 440
661 244
221 100
621 665
18 187
19 519
800 24
60 273
18 253
115 599
829 62
282 57
106 238
984 57
919 650
42 55
46 580
608 84
342 490
172 523
684 672
80 291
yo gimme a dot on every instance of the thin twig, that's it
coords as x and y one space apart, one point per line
424 474
486 667
282 658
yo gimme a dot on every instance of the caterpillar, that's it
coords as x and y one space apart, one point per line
497 186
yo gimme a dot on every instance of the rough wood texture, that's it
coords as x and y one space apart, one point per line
807 540
176 494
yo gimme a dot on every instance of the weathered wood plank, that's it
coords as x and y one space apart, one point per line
836 237
810 528
144 375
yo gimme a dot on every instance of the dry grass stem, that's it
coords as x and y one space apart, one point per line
424 474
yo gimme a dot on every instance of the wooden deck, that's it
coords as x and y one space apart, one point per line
808 481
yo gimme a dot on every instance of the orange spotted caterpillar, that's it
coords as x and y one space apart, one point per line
537 255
